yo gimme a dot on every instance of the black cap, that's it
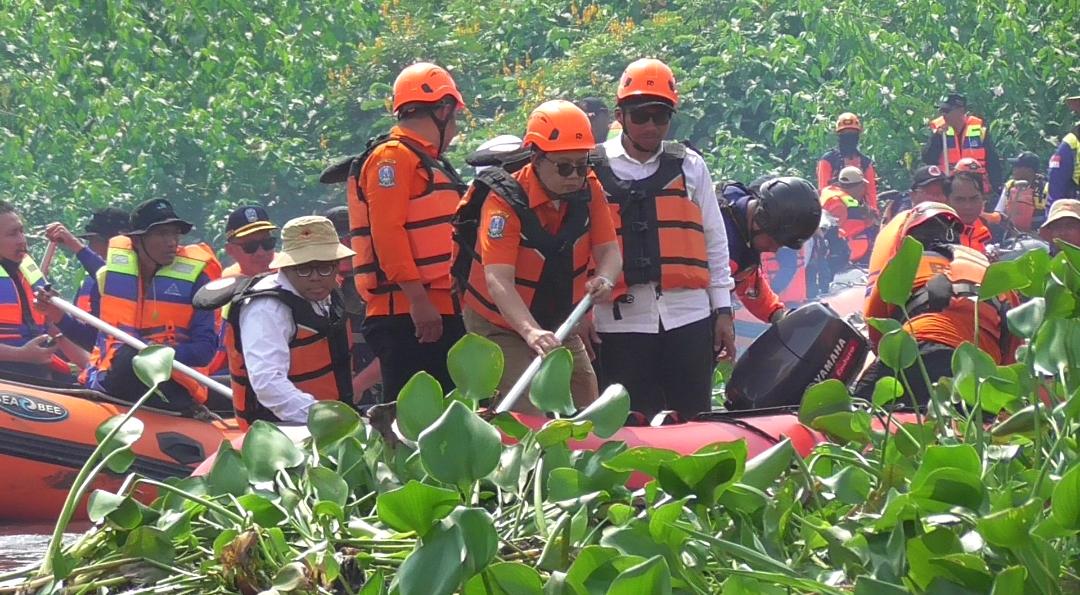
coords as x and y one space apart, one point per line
106 223
246 220
953 101
591 105
925 175
638 101
339 216
1026 159
154 213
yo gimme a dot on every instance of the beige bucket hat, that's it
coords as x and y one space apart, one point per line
309 239
1064 208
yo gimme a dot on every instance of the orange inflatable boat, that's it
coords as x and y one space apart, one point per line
46 434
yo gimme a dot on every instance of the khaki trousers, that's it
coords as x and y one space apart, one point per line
517 355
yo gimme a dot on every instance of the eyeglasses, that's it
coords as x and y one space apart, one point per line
660 116
323 269
253 246
569 169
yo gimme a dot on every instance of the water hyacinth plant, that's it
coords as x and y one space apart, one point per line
980 495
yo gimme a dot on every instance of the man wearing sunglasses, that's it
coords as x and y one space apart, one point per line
671 318
539 231
249 241
287 338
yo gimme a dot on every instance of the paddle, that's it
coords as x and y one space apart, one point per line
83 316
523 382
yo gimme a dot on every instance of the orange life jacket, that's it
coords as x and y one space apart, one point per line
976 236
427 224
658 225
319 358
551 269
164 316
15 330
858 224
795 291
972 145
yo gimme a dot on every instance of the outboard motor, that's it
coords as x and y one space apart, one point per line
808 346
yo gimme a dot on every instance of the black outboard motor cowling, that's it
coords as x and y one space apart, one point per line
808 346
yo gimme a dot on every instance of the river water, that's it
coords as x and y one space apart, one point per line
22 545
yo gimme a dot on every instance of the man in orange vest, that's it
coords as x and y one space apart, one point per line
845 201
249 241
963 135
402 194
287 338
539 229
672 317
966 197
147 286
847 153
941 306
928 184
25 346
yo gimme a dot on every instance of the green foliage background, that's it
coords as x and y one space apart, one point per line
211 103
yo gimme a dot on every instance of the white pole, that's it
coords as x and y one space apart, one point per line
109 329
945 147
523 382
46 261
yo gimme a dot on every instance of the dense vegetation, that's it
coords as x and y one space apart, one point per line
210 102
978 494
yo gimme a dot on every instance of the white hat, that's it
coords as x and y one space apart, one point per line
851 175
309 239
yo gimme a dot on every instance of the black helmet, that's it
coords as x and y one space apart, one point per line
788 210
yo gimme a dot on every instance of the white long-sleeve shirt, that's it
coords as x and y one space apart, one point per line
266 327
673 308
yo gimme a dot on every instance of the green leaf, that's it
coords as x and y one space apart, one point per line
898 349
851 485
1010 581
329 486
1024 320
1065 502
228 474
762 470
375 584
476 366
122 512
645 459
149 543
419 404
434 568
459 448
415 506
153 364
886 390
706 473
897 277
550 388
267 450
290 577
607 413
506 578
651 576
922 550
264 512
478 533
824 398
331 421
1002 277
1011 527
127 435
559 431
865 585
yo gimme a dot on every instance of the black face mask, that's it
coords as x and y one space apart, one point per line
848 142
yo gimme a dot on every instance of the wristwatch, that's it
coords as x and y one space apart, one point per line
725 311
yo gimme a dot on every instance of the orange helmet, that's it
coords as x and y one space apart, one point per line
848 121
424 82
647 77
559 126
925 211
969 165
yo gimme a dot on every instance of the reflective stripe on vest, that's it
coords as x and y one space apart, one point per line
659 227
551 269
160 315
14 329
319 357
427 224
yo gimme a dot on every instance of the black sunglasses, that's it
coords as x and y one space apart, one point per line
659 115
251 247
569 169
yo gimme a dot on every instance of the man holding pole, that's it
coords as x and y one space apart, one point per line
146 287
955 134
538 231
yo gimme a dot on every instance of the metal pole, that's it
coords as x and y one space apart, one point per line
109 329
523 382
945 147
46 261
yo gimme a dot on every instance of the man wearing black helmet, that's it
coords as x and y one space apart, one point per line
783 211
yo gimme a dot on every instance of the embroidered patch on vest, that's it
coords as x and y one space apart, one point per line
387 176
497 226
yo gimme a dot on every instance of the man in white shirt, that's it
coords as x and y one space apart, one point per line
671 319
288 342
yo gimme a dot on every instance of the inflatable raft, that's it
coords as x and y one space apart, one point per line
46 434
